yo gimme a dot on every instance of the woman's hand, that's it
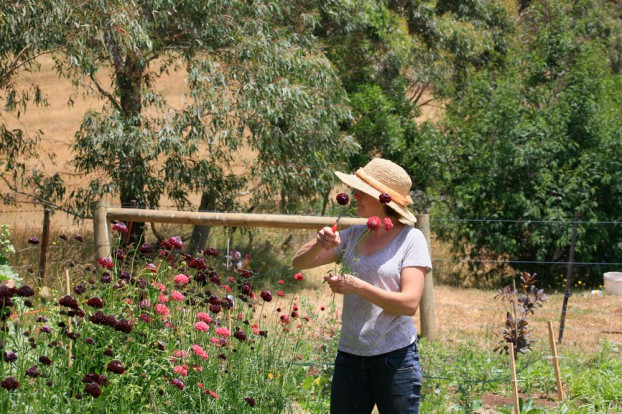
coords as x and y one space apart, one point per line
318 251
327 238
342 284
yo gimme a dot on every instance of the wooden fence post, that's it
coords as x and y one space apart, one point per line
45 242
101 233
426 307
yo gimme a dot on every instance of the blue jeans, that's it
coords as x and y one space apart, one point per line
391 381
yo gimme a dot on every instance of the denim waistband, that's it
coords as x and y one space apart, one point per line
407 347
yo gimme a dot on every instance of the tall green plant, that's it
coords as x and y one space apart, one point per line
527 145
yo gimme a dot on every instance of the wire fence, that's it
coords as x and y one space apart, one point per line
29 221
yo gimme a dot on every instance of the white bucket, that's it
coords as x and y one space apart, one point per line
613 283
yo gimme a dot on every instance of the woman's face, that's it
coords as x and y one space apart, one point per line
366 205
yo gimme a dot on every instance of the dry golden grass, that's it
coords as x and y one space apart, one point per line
472 315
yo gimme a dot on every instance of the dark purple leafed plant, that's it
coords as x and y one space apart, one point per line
523 301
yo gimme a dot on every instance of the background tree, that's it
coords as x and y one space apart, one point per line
23 38
256 82
532 141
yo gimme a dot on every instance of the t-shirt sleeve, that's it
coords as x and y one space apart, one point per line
416 251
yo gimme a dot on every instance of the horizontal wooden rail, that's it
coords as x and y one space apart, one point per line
226 219
103 215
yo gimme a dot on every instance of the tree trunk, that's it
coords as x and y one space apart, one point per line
201 233
129 75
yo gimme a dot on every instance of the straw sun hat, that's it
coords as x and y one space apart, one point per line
383 176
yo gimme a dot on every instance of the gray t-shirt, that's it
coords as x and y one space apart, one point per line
368 329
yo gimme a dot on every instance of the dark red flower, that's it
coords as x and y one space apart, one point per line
79 289
384 198
10 356
79 238
342 199
69 302
374 223
45 360
123 325
266 295
95 302
33 371
25 291
210 252
250 401
93 389
105 262
145 248
116 367
197 263
33 240
241 335
9 383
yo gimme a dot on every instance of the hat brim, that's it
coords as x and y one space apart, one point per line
355 182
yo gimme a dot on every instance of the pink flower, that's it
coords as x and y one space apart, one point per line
120 227
181 370
162 298
212 393
181 279
180 353
199 351
152 268
177 296
222 331
256 329
374 223
388 224
299 277
159 286
178 383
162 310
280 293
280 282
202 316
201 326
227 288
198 367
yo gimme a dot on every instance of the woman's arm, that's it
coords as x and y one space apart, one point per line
404 302
319 251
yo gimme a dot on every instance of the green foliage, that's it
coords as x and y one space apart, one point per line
530 141
6 249
143 318
28 29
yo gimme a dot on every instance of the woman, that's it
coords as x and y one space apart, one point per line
377 361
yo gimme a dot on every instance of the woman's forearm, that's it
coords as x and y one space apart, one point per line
306 257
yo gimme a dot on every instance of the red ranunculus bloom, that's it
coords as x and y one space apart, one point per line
374 223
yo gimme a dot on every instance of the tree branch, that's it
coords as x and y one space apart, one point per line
105 92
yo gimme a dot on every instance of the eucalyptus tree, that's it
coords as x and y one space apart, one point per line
28 29
259 117
528 144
